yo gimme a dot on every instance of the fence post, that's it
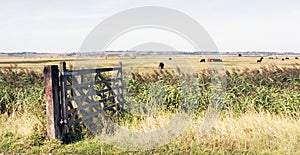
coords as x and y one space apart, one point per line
52 101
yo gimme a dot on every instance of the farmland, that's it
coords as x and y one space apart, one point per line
260 113
37 62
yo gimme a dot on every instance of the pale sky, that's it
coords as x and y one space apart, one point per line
234 25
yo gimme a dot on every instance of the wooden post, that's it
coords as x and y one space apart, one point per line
52 101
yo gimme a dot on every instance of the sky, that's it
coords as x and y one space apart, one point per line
234 25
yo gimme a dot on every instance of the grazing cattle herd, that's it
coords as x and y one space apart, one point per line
161 64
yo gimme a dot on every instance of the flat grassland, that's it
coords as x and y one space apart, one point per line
260 116
149 63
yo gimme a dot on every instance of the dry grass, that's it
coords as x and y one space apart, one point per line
253 133
20 125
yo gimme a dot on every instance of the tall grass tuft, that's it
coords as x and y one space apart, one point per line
21 90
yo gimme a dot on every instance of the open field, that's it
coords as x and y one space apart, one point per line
149 63
260 114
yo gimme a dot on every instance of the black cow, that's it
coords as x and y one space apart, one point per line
202 60
161 65
287 58
260 60
296 58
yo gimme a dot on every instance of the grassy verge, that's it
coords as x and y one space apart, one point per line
260 115
251 133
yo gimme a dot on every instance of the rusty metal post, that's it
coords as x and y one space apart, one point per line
52 101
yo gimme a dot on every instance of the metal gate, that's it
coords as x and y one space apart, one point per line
73 96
